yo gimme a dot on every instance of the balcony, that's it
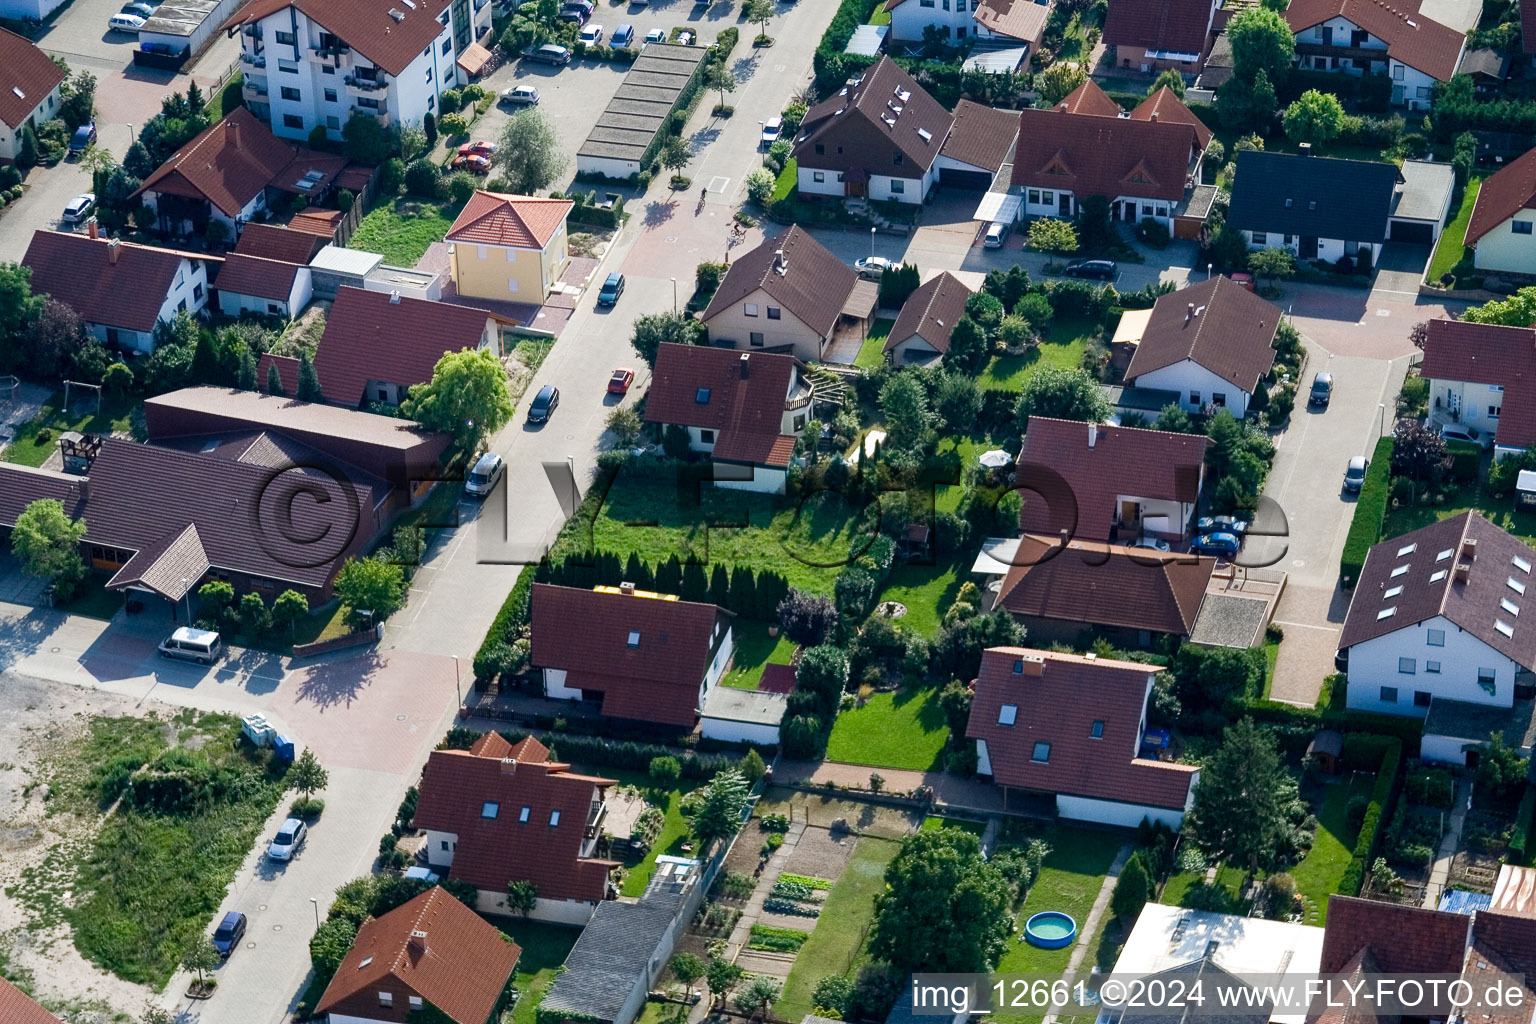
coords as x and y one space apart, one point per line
254 91
365 87
253 61
595 815
380 115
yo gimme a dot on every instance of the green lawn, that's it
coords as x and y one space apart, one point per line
400 236
1070 880
1451 247
657 518
1320 870
880 16
904 729
1500 511
545 947
32 448
947 497
1271 655
785 183
657 1012
975 828
834 945
674 831
926 590
755 649
872 353
1061 345
226 99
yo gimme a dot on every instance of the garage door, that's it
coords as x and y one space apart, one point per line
1412 231
953 177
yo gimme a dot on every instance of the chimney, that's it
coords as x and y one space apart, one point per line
780 264
394 297
92 229
1463 570
746 365
1034 665
509 766
85 488
1093 435
1153 117
1189 314
1304 149
232 133
112 247
1469 548
627 589
419 941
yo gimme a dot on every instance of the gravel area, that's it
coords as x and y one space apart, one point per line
1227 621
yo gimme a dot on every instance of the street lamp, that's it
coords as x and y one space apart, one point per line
456 689
871 243
674 295
186 592
1381 409
1208 271
130 134
314 902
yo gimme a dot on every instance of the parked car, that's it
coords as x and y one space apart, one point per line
624 35
1468 435
1151 543
425 874
483 147
1243 278
79 208
579 5
1104 270
619 383
656 35
685 38
549 53
612 288
83 139
227 936
1322 390
871 267
772 129
138 7
1225 545
997 233
125 23
1220 524
1354 474
488 469
575 15
520 96
544 404
289 839
474 163
1341 660
191 644
591 34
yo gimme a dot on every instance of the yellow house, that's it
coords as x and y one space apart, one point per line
511 248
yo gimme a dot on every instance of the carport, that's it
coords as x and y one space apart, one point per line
998 206
1420 202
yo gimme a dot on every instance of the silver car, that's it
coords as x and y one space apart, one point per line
289 840
487 472
79 208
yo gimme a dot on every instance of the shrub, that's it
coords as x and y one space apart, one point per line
1520 844
759 186
453 125
421 179
1370 511
664 771
1153 232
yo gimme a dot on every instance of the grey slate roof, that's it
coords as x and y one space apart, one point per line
1465 720
1343 199
1425 191
611 957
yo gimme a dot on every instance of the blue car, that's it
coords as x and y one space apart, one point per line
1221 524
1224 544
612 288
230 931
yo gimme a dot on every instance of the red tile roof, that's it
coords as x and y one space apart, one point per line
930 313
433 946
368 26
1474 604
271 242
1459 350
746 413
812 284
863 125
368 337
27 76
1165 105
77 270
287 372
1018 19
232 162
1088 98
17 1008
1099 155
1106 585
256 277
1058 698
1076 484
1411 37
1503 945
491 852
1400 939
982 136
1179 26
586 633
1505 193
522 222
1230 331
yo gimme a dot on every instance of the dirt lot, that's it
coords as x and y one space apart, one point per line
823 809
40 723
822 853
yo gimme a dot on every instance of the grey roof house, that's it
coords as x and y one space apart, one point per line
1317 208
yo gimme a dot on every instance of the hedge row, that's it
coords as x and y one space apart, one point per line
1407 731
513 614
1367 842
630 755
739 590
1370 511
1525 822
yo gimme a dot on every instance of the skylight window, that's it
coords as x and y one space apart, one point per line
1393 592
1399 571
1041 753
366 961
1504 627
1386 613
1436 577
1521 564
634 638
1007 714
1509 606
1515 585
1408 550
1447 553
701 396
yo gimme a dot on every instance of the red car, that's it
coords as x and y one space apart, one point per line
1242 278
481 148
619 383
475 163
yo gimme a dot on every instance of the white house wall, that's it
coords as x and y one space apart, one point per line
1373 664
1109 812
883 186
1444 749
819 182
571 912
717 666
727 731
1473 402
555 688
1328 249
1503 249
765 480
1188 378
441 846
910 18
732 326
913 349
983 758
47 107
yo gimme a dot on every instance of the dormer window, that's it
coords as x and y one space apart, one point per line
554 818
634 639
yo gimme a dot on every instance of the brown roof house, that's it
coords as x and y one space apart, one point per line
230 172
16 1007
1070 726
1007 23
1147 165
789 295
744 409
1212 343
377 344
1093 482
1435 624
1484 377
922 329
1396 39
630 653
271 242
1151 35
498 813
432 955
251 284
121 290
1502 231
29 90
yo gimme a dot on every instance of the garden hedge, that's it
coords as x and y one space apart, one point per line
1368 841
1407 731
513 613
1370 512
1466 459
1520 845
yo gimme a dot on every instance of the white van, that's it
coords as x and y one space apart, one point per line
997 233
191 644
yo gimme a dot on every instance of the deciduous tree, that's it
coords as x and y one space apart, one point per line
522 897
528 152
466 397
371 585
1064 393
47 543
1315 117
944 907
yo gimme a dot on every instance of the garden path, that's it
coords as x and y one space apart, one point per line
1440 873
1088 929
753 911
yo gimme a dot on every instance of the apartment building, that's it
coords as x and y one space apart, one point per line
318 62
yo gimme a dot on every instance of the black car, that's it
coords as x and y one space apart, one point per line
612 288
549 53
1104 270
1322 390
544 404
226 938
